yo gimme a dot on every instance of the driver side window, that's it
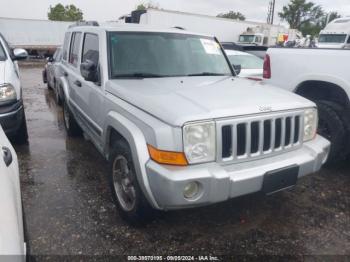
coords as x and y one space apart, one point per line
90 48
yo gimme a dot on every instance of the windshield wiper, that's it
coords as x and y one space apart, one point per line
138 75
207 74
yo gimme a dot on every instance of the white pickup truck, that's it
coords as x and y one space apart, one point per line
321 75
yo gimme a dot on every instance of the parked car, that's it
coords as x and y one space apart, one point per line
12 116
177 126
11 219
52 72
251 65
318 75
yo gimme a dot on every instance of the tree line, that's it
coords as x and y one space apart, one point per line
304 15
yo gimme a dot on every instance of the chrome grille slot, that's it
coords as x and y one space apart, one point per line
243 139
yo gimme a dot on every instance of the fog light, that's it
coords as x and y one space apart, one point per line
191 190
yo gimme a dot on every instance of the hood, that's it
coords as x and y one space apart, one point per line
331 45
2 71
178 100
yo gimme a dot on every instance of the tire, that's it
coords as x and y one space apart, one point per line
332 128
71 125
133 207
21 137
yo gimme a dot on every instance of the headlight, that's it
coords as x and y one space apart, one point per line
200 142
310 124
7 93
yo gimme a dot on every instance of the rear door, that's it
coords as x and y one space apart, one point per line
72 71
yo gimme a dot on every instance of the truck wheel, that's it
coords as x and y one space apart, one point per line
127 194
332 128
21 136
71 125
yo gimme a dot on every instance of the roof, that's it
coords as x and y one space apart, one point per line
340 25
121 27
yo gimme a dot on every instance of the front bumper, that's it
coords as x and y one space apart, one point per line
11 117
219 183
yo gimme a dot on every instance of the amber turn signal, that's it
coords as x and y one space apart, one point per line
167 157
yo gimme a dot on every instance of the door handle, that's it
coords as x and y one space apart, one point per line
7 156
77 83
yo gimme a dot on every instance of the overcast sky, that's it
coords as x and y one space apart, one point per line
103 10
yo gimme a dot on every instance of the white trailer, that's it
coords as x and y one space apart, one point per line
226 30
33 34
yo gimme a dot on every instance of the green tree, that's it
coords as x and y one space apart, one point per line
144 6
302 15
232 15
65 13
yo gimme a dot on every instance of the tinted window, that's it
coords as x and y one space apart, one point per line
165 55
333 38
74 49
247 61
90 48
66 46
349 40
2 53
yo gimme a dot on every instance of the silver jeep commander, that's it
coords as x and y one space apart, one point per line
177 126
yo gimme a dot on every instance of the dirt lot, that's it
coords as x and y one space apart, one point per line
69 209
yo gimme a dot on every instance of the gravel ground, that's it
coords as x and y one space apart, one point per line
69 209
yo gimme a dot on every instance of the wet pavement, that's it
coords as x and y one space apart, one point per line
69 208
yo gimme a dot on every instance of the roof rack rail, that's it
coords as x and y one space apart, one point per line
179 27
84 23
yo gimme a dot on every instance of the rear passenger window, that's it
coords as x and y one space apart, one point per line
74 49
90 48
66 46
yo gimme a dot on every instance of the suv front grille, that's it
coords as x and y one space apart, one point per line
253 137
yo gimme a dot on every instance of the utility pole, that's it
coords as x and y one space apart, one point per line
271 12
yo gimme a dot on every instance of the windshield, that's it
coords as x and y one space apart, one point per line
135 54
246 61
337 39
246 38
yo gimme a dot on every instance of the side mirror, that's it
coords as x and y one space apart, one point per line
19 54
237 68
89 71
50 59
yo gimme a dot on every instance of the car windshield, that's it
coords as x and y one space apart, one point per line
336 39
2 53
246 61
246 38
141 55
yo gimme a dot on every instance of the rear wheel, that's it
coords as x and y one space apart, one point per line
127 194
332 128
71 125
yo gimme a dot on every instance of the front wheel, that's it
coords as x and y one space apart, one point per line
127 194
71 125
332 128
